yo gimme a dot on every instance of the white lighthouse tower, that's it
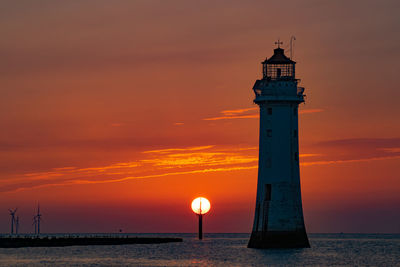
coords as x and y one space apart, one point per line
278 220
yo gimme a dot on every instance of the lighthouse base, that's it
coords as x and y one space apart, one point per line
279 239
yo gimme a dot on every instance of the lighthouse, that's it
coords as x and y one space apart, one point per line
278 220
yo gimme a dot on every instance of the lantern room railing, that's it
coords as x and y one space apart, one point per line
300 91
278 71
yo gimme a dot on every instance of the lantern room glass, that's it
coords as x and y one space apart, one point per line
278 71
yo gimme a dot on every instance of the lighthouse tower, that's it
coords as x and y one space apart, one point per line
278 220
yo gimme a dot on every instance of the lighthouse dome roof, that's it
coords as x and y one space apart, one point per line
278 57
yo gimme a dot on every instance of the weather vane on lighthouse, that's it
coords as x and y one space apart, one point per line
278 219
278 43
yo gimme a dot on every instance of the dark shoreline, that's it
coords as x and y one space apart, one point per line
19 242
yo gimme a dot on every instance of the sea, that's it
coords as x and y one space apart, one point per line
217 250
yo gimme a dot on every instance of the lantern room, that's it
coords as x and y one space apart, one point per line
279 66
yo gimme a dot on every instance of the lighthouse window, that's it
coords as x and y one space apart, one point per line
268 192
269 133
295 133
296 156
269 111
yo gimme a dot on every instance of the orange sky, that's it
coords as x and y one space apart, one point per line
117 115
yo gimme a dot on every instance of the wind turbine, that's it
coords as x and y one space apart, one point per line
38 218
35 224
12 213
17 225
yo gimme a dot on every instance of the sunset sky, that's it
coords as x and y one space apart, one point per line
117 114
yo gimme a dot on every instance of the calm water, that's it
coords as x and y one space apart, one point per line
218 250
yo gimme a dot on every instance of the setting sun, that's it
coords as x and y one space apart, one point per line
201 205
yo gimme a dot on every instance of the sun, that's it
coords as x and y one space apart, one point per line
201 205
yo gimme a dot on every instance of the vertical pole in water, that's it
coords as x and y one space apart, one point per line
200 226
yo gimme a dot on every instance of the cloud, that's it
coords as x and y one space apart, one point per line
360 147
250 113
237 111
169 150
310 155
391 149
348 161
363 142
252 116
355 150
202 159
116 180
154 163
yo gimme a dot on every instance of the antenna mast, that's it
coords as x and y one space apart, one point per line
292 39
